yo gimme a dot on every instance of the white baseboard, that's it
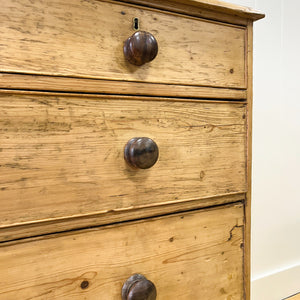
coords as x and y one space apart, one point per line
277 285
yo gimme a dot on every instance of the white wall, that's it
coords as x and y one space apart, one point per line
276 150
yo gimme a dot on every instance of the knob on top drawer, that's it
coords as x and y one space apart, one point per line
191 51
140 48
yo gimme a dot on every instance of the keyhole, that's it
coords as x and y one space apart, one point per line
135 23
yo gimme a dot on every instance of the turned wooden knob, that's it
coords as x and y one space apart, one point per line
141 152
138 287
140 48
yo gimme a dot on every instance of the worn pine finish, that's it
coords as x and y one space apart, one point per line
82 85
212 9
28 229
195 255
62 164
85 39
247 232
62 156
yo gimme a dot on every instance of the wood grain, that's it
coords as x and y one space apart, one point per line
85 39
247 232
83 85
194 255
214 9
190 10
35 228
63 156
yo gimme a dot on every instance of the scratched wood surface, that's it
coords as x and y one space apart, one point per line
84 85
85 39
103 218
63 155
212 9
196 255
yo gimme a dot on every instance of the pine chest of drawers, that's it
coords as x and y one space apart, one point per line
125 146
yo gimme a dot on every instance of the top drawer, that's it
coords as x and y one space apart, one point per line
86 38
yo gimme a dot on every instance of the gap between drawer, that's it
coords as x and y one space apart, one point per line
66 224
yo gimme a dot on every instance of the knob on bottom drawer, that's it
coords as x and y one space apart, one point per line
138 287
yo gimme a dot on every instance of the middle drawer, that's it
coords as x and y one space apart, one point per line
63 156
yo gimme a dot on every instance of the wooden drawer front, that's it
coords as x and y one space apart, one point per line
85 38
196 255
63 156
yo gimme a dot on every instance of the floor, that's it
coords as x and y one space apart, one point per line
295 297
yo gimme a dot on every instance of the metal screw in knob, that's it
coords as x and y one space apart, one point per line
141 152
138 287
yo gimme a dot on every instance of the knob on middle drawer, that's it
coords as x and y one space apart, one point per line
140 48
141 152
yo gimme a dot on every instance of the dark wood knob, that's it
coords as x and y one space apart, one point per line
138 287
140 48
141 152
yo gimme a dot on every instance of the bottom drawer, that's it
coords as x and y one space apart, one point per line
192 255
